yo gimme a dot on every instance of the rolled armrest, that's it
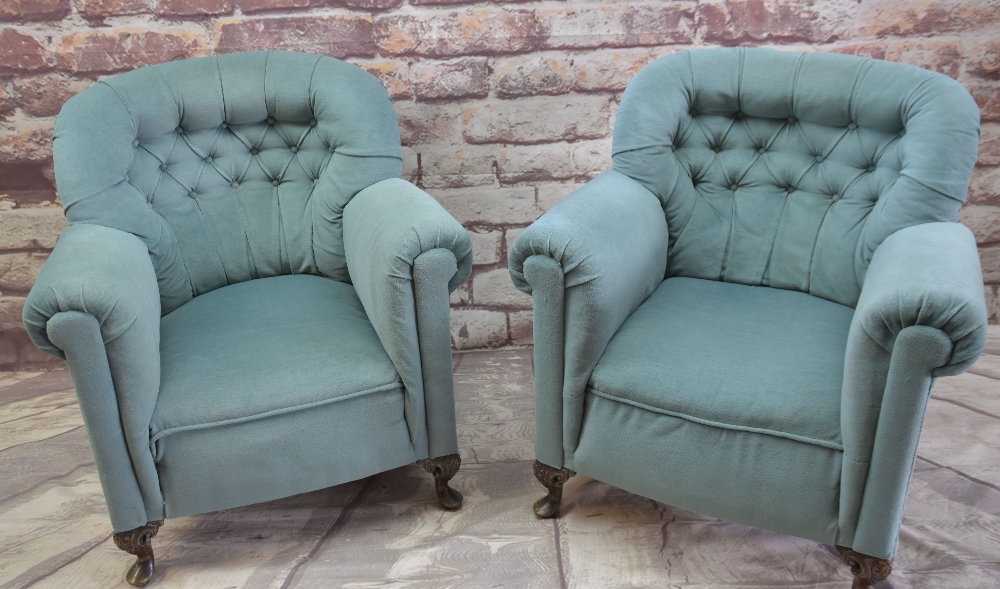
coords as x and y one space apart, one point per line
589 262
396 235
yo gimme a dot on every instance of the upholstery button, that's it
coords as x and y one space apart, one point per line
871 168
224 126
192 194
737 115
235 184
312 122
716 148
902 132
274 182
135 143
254 151
179 130
208 159
126 178
694 112
792 120
733 187
270 120
819 159
315 181
163 167
852 126
761 151
294 149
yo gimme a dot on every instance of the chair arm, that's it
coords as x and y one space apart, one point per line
405 253
589 262
96 304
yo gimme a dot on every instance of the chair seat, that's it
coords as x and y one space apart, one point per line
732 356
265 347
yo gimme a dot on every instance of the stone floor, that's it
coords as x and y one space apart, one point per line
387 531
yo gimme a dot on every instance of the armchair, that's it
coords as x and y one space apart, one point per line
250 302
746 315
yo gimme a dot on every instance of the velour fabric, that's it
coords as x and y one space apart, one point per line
610 239
210 194
229 167
814 283
288 453
740 357
386 227
786 169
747 477
107 273
279 344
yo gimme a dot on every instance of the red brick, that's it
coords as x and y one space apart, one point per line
371 4
193 7
458 78
28 141
531 75
618 25
988 98
33 9
882 18
7 102
22 52
394 76
734 22
528 163
43 96
451 166
984 60
941 56
984 221
261 5
334 35
421 123
989 145
874 50
609 70
100 50
472 31
989 256
538 120
103 8
985 186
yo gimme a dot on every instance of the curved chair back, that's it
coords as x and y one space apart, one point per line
229 168
788 169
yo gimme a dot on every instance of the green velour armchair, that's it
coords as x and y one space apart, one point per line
745 316
251 303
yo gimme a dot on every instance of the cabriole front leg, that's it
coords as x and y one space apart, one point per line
443 468
139 542
552 479
867 570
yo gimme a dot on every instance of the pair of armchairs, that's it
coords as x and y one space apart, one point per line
743 318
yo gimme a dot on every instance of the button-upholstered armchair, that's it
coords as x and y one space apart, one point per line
251 303
745 316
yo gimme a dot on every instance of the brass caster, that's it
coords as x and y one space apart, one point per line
443 468
867 570
552 479
140 543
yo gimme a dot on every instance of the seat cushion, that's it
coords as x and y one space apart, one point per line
732 356
265 347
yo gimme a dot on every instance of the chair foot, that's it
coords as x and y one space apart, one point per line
867 570
140 543
443 468
552 479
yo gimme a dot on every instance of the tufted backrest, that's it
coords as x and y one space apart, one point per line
788 169
229 168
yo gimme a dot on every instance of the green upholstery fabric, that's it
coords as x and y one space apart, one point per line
739 357
212 193
816 282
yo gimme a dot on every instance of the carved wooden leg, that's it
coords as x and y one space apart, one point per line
443 468
552 479
140 543
867 570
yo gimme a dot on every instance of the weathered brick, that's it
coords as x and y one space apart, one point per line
872 49
590 158
521 328
983 220
334 35
985 186
371 4
467 32
428 123
28 141
494 288
882 18
457 78
10 312
537 120
532 75
105 8
488 205
460 296
22 52
7 100
742 21
989 256
411 166
608 70
452 166
476 328
33 9
485 245
31 228
395 76
193 7
250 6
18 270
617 25
941 56
526 163
103 50
510 236
992 293
989 144
43 96
988 98
550 193
984 60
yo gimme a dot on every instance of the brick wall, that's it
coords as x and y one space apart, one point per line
504 107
